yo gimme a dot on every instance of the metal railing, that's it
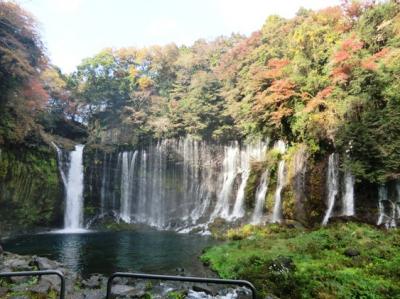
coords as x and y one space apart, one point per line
242 283
39 273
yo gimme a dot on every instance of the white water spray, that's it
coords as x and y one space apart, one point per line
261 192
348 196
277 212
332 185
73 218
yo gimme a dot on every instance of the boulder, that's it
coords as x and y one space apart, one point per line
203 289
123 290
45 264
351 252
94 282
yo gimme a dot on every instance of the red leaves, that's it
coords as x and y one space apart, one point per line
35 95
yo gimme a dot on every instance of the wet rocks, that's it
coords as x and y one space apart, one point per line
95 281
125 290
203 289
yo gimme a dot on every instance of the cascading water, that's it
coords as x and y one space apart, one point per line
261 192
348 196
277 212
389 206
230 171
332 185
128 166
73 183
382 198
249 153
177 183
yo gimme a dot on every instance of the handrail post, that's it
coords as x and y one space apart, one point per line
40 273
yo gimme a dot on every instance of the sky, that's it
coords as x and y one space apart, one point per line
75 29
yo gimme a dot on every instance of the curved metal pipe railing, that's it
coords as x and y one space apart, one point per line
242 283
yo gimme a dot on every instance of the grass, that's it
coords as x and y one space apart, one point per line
340 261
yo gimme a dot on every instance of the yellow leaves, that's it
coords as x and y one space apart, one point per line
133 72
145 82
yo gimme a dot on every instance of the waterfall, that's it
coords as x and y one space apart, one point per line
60 165
249 153
128 166
230 170
332 185
277 212
141 210
261 192
348 196
389 208
382 198
73 218
179 184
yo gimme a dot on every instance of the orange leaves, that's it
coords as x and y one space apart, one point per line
370 63
341 56
276 99
318 102
345 59
347 48
275 68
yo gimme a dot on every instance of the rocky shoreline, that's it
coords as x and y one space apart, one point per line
94 286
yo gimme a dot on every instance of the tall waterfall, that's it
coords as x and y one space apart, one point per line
277 212
128 166
332 185
230 171
73 183
261 192
348 196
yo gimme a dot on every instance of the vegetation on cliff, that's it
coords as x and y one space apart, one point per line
341 261
326 78
30 96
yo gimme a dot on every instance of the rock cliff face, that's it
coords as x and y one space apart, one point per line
30 188
185 185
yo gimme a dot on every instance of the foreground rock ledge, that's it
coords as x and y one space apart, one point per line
94 286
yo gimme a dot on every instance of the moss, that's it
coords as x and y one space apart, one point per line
252 183
300 263
315 188
30 188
